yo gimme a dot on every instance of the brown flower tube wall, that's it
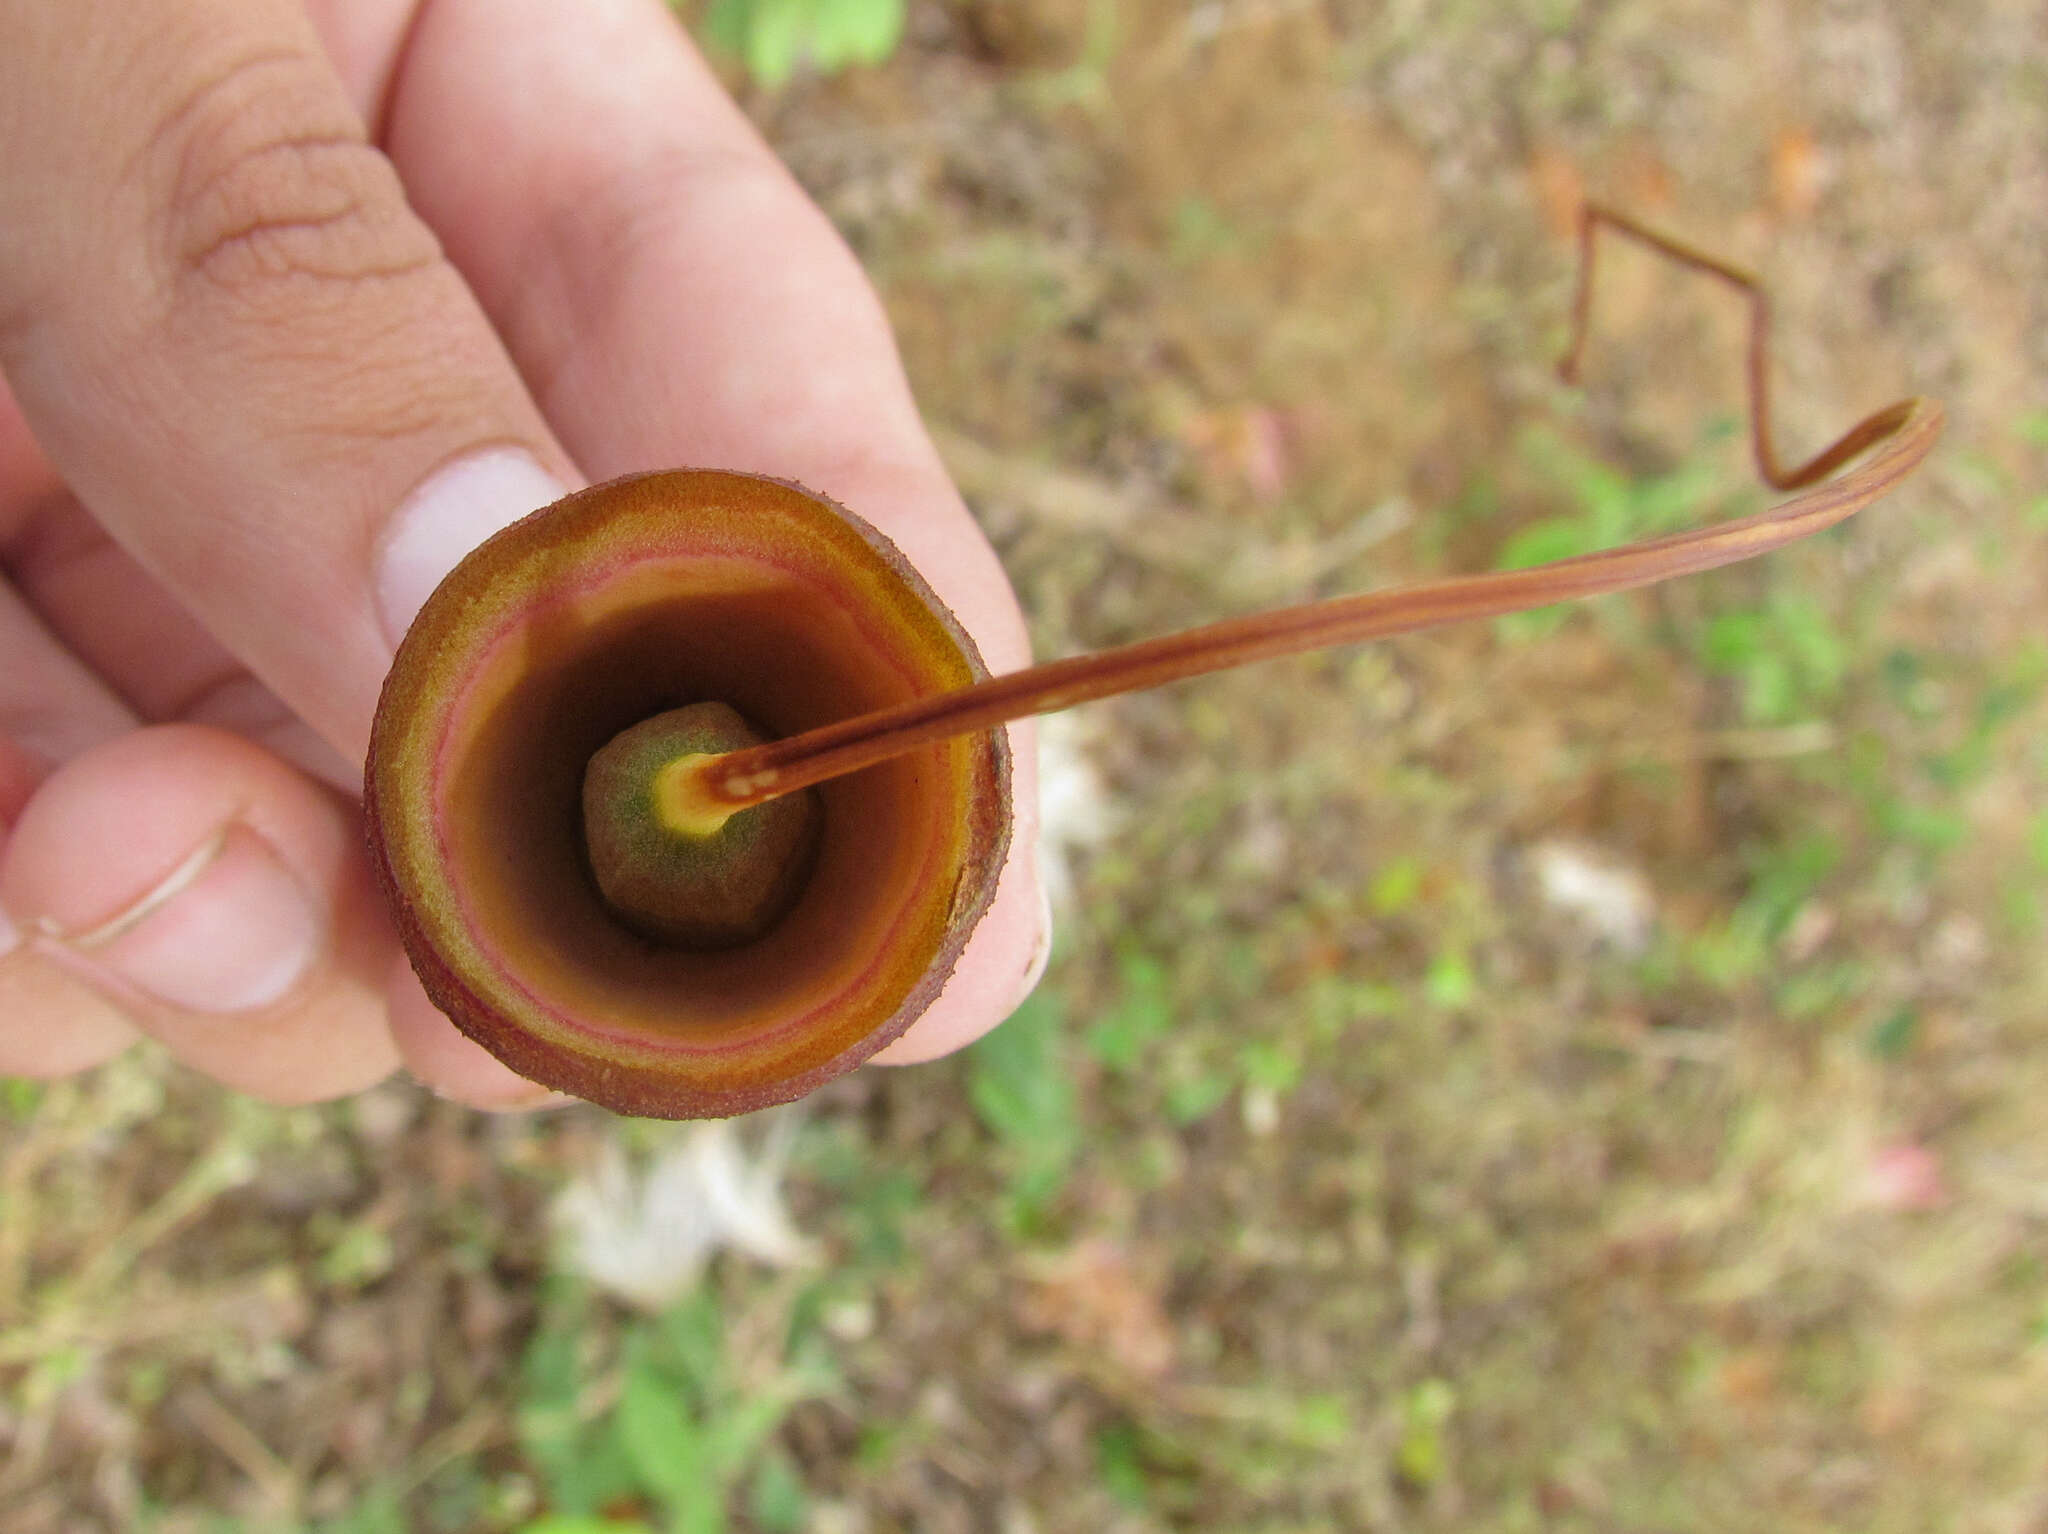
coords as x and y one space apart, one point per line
614 605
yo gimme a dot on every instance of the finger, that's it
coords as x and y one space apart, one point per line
59 994
51 708
451 1063
217 900
20 771
629 187
51 1023
26 477
676 298
234 339
668 288
1004 960
50 705
109 613
127 630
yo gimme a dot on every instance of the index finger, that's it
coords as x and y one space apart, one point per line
235 340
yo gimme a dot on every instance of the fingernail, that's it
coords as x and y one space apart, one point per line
453 510
229 930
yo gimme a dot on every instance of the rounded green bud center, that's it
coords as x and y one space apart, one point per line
680 881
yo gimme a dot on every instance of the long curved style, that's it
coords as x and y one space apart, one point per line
1902 434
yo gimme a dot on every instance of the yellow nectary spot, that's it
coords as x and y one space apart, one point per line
680 799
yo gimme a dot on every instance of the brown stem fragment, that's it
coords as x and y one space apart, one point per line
1902 434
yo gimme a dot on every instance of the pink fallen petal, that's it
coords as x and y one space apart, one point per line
1905 1176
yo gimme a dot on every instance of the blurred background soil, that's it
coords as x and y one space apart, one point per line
1578 1073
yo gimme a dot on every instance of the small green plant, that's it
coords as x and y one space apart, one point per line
1786 655
1893 1035
668 1437
1612 508
1141 1015
873 1200
2032 429
1743 947
1426 1411
773 37
1023 1091
19 1096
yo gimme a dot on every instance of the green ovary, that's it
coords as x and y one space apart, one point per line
679 889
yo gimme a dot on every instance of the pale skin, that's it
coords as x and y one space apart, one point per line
299 301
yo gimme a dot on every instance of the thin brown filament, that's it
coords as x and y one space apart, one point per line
1903 434
1865 433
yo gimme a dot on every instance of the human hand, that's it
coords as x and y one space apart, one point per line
281 370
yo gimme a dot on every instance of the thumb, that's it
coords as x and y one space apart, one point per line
240 346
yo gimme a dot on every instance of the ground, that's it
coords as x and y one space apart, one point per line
1578 1073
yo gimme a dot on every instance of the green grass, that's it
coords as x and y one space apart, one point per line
774 38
